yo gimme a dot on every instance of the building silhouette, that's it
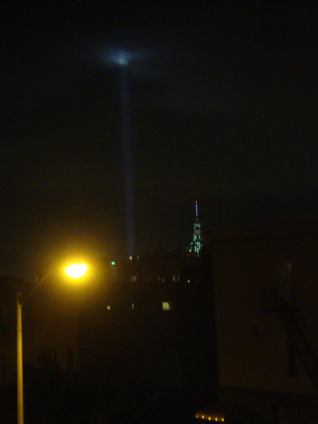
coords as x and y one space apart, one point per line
266 320
155 332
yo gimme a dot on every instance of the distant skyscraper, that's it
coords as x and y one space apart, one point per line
196 244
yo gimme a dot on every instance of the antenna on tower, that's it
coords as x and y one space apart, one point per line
196 211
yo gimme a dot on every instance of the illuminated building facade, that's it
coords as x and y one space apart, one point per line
165 267
196 244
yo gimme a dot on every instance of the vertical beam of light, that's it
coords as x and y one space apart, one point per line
126 134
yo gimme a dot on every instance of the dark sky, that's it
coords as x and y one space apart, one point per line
223 108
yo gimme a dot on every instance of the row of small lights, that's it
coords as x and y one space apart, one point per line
134 278
166 306
209 418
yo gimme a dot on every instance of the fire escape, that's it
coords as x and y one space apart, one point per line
274 302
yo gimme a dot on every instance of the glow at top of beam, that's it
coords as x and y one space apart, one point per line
122 57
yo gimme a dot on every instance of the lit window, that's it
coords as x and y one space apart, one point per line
188 281
166 306
108 307
174 278
132 306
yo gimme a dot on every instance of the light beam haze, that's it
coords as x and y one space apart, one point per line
126 135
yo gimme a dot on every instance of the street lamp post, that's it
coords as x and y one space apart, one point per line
19 360
75 271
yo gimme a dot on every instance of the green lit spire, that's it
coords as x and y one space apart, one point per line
196 243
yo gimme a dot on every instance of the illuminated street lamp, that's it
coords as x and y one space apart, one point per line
74 271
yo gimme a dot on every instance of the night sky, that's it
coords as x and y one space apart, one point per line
223 110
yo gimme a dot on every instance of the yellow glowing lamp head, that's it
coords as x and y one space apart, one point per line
76 270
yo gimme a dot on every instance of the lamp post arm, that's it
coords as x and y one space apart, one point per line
38 284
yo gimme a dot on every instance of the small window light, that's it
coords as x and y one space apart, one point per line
166 306
108 307
132 306
188 281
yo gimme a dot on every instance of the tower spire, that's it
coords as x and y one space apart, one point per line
196 243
